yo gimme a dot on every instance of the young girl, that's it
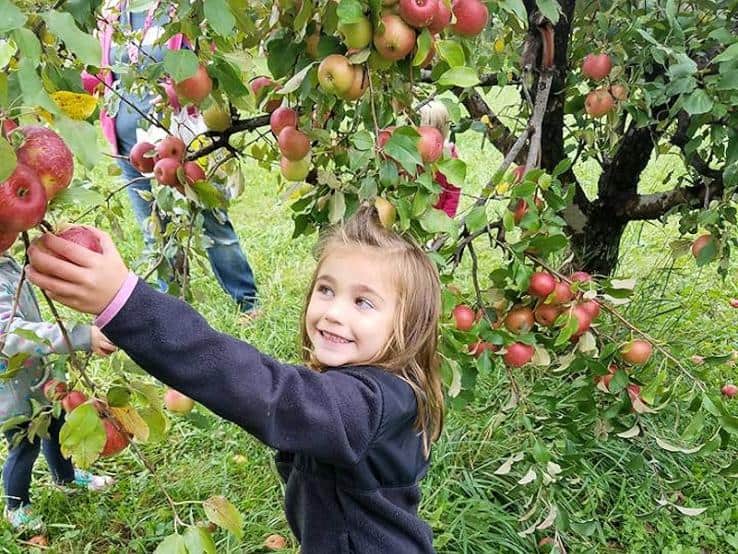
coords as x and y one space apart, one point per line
17 391
353 427
436 115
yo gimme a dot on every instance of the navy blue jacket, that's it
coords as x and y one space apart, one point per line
348 450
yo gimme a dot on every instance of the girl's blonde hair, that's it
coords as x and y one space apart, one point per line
435 114
411 352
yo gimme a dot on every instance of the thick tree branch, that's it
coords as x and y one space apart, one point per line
221 139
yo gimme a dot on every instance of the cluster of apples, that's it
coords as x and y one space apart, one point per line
116 439
601 101
44 168
166 160
294 145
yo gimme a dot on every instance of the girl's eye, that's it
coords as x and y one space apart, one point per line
323 289
364 303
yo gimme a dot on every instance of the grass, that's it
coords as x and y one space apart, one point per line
608 491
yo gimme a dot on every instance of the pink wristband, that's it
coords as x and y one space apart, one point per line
118 301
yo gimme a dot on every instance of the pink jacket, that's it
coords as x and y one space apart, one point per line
105 32
448 200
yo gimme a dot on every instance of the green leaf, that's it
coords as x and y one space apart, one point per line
423 47
82 436
550 9
34 93
156 422
180 64
730 54
28 44
403 149
707 253
8 48
198 541
8 159
477 218
118 396
515 7
219 16
221 512
698 102
85 47
81 137
459 77
294 83
363 140
336 207
437 221
454 170
12 17
210 195
228 77
173 544
349 11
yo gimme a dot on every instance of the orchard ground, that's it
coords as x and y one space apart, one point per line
612 508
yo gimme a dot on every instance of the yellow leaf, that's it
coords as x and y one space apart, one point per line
502 188
131 421
75 105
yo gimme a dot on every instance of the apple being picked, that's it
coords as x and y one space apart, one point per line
195 88
83 237
141 157
177 402
22 200
48 156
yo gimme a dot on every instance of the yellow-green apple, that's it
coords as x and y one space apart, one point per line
599 102
293 144
596 66
359 84
170 147
357 34
396 38
142 157
165 171
22 200
385 211
116 439
217 118
195 88
441 18
520 319
430 143
418 13
335 74
471 17
48 156
518 354
636 352
177 402
282 117
295 171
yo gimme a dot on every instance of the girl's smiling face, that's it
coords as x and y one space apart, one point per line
351 313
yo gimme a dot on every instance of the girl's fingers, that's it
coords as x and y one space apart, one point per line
57 289
75 253
44 262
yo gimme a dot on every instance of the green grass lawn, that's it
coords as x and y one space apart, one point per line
609 496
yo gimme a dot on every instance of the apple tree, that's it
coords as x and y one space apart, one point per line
336 113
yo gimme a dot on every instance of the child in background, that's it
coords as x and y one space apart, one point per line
353 426
17 391
436 115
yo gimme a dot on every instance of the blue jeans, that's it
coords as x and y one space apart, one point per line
229 262
19 464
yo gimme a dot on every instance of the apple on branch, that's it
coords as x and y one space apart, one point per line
336 74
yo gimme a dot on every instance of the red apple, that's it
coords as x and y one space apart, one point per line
619 92
592 307
90 82
282 117
471 17
359 84
441 18
464 317
7 239
418 13
599 102
700 243
396 39
165 171
22 200
295 171
596 66
72 400
8 126
193 172
580 277
384 135
542 283
116 439
521 208
729 390
275 542
478 348
260 86
55 390
518 354
546 314
83 237
48 156
141 157
519 319
562 293
177 402
172 98
196 88
634 391
734 302
584 320
293 144
430 144
170 147
636 352
336 74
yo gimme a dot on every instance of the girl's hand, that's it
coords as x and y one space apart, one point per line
101 345
75 276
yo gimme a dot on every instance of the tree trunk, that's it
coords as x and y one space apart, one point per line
595 243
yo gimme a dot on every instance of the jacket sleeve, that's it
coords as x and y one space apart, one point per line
51 340
332 416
